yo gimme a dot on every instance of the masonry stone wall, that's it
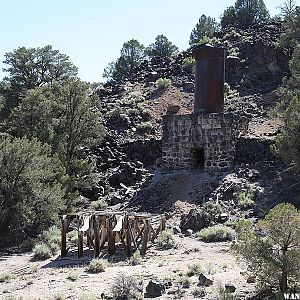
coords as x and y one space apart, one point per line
253 149
215 133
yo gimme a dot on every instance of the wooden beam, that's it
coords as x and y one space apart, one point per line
132 237
145 237
63 241
128 237
163 223
97 238
139 235
80 243
111 237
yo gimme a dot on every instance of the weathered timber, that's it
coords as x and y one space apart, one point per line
101 228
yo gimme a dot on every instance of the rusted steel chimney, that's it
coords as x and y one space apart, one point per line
209 79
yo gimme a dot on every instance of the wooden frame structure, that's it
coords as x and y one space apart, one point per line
132 230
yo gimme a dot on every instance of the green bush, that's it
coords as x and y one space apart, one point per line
87 296
246 198
48 243
97 265
5 278
216 234
99 204
12 297
194 269
199 292
42 251
59 296
224 295
127 287
207 40
185 282
189 65
72 276
114 113
163 83
145 127
51 236
72 237
272 249
136 258
166 240
132 98
234 51
212 210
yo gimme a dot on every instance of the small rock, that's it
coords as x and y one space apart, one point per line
188 87
230 288
223 217
155 288
189 232
204 281
251 279
173 109
176 229
195 220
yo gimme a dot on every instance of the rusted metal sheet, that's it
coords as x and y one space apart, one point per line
209 79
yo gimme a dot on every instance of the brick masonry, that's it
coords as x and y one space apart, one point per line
201 140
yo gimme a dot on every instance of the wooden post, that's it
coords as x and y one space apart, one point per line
89 234
111 237
132 238
128 237
97 238
63 243
80 243
145 237
103 231
163 223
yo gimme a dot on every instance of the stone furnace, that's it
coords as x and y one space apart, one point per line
205 139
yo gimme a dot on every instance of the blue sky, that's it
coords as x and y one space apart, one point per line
92 32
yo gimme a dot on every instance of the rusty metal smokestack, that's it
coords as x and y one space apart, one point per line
209 79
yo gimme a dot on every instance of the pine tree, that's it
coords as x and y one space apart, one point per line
205 27
245 13
161 47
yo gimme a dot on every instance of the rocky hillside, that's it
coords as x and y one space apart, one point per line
132 110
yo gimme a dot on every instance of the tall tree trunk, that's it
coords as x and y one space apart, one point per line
283 281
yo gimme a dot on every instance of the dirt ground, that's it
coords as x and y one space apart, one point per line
49 279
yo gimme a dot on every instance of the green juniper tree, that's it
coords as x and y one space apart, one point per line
291 37
288 141
205 27
31 186
245 13
131 55
161 47
272 249
62 115
29 68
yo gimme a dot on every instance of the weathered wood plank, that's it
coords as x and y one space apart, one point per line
111 237
63 242
97 237
145 237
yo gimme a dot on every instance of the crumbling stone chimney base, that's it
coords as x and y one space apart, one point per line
200 141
